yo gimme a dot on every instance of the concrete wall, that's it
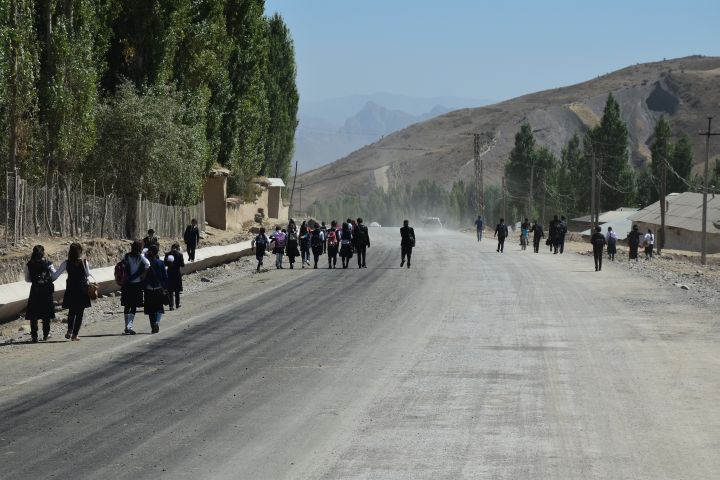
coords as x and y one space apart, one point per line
269 200
215 193
681 239
274 202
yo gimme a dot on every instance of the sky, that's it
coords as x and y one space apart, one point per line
484 49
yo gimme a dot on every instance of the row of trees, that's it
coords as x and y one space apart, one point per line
144 96
540 183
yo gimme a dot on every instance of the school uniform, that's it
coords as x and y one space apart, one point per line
76 298
407 243
174 273
156 282
40 304
192 240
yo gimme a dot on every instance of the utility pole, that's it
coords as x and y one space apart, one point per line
592 190
663 194
300 189
532 193
598 190
543 200
292 192
479 186
703 245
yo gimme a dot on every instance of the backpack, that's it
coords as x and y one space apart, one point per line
122 272
261 241
411 237
316 241
292 236
599 241
332 238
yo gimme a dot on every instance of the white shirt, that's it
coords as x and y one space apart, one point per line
134 262
650 238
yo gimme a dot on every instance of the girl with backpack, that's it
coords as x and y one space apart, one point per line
292 243
134 266
346 245
279 239
611 243
304 245
260 244
332 244
156 283
174 262
317 240
41 274
76 298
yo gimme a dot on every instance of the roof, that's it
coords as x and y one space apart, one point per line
610 216
684 211
217 171
621 226
275 182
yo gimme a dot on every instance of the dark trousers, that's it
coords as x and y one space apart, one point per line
174 299
34 328
406 252
75 318
501 244
536 245
191 251
361 252
479 234
598 254
562 244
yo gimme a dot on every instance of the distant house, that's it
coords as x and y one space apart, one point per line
228 213
683 221
618 219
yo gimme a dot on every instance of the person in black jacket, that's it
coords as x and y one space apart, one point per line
192 239
598 243
633 240
407 243
362 242
501 232
40 273
538 235
174 261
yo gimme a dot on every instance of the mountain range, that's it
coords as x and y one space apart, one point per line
686 90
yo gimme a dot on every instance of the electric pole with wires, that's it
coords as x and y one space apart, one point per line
479 187
703 241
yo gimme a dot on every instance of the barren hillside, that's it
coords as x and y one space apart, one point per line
685 89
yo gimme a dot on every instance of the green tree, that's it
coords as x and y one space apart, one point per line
681 162
283 100
521 178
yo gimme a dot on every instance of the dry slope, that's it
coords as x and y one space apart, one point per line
685 89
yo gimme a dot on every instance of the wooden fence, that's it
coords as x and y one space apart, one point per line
83 211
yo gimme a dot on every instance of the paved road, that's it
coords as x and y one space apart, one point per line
470 365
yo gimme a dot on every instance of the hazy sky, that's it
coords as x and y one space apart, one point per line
484 49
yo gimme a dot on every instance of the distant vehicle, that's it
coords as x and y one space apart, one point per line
432 223
374 225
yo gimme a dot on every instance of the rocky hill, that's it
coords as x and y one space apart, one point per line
687 90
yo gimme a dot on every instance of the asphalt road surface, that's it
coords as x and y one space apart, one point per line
472 364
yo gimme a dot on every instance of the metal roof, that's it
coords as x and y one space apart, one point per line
684 210
621 213
275 182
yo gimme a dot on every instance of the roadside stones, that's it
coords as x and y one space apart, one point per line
205 280
684 287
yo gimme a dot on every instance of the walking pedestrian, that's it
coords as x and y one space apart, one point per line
135 264
156 283
317 241
501 232
407 243
598 243
76 298
151 239
563 233
260 244
291 250
346 245
611 243
175 262
479 227
538 235
304 245
279 241
633 240
554 233
332 244
649 242
192 239
362 242
40 274
324 230
524 234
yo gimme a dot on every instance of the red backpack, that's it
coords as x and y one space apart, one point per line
332 239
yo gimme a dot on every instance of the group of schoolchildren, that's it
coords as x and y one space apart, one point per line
146 280
349 239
